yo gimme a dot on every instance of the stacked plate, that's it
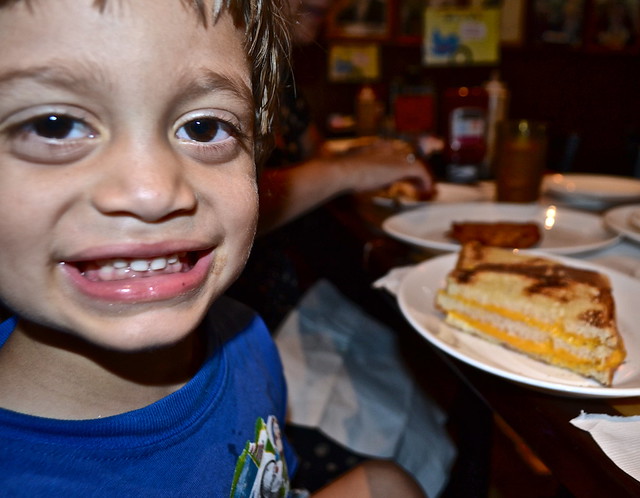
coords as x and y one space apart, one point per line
625 220
595 192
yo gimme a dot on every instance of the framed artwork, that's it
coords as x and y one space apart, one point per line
364 19
512 22
461 36
409 21
354 63
558 21
613 26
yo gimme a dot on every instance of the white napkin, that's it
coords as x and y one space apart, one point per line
345 377
618 437
392 280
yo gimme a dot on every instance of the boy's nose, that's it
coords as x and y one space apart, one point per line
149 184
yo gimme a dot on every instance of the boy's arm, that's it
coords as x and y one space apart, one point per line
373 479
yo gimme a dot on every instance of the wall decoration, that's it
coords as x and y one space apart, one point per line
354 62
558 21
461 36
360 19
409 21
613 26
512 22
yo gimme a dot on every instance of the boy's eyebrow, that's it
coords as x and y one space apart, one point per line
205 82
210 81
60 76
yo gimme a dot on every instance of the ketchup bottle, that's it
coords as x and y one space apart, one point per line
465 111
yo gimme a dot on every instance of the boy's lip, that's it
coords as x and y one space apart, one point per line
135 251
139 286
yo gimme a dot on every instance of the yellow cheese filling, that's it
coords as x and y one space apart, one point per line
540 348
556 329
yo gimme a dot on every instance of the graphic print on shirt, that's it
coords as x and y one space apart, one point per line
261 471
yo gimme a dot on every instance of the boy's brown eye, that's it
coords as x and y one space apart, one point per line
56 127
204 130
53 126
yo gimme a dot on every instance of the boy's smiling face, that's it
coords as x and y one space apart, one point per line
127 183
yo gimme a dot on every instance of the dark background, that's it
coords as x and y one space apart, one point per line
581 93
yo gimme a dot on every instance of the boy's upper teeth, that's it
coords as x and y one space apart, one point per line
138 265
122 268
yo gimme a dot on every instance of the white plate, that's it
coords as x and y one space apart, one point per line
625 220
447 193
601 188
416 299
571 233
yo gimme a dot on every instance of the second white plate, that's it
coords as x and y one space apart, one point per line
564 231
625 220
446 193
602 188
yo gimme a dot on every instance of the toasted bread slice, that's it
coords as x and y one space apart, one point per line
498 234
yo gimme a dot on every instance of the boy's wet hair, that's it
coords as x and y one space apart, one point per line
267 44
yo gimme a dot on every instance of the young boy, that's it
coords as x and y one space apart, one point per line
128 135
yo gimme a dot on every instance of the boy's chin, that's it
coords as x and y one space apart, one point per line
143 335
129 333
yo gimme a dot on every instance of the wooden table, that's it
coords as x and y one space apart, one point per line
356 252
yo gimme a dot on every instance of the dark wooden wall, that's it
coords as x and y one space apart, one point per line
593 96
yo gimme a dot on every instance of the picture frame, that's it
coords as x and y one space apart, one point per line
558 22
613 26
354 62
409 20
360 19
461 36
512 22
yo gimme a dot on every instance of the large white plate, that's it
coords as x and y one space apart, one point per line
602 188
571 233
446 193
416 299
625 220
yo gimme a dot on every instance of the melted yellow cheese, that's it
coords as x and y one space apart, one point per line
539 348
555 329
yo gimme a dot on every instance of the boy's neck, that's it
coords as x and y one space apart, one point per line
55 375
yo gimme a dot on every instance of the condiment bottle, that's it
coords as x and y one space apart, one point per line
498 104
367 111
465 109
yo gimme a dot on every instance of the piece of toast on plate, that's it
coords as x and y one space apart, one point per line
499 234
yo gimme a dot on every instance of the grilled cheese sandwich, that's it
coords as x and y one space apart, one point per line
554 313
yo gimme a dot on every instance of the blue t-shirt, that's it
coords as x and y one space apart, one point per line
216 433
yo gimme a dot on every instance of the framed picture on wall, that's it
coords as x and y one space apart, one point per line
409 21
512 22
613 26
559 22
461 36
354 62
363 19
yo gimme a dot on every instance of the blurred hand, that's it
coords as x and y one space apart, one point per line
382 163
